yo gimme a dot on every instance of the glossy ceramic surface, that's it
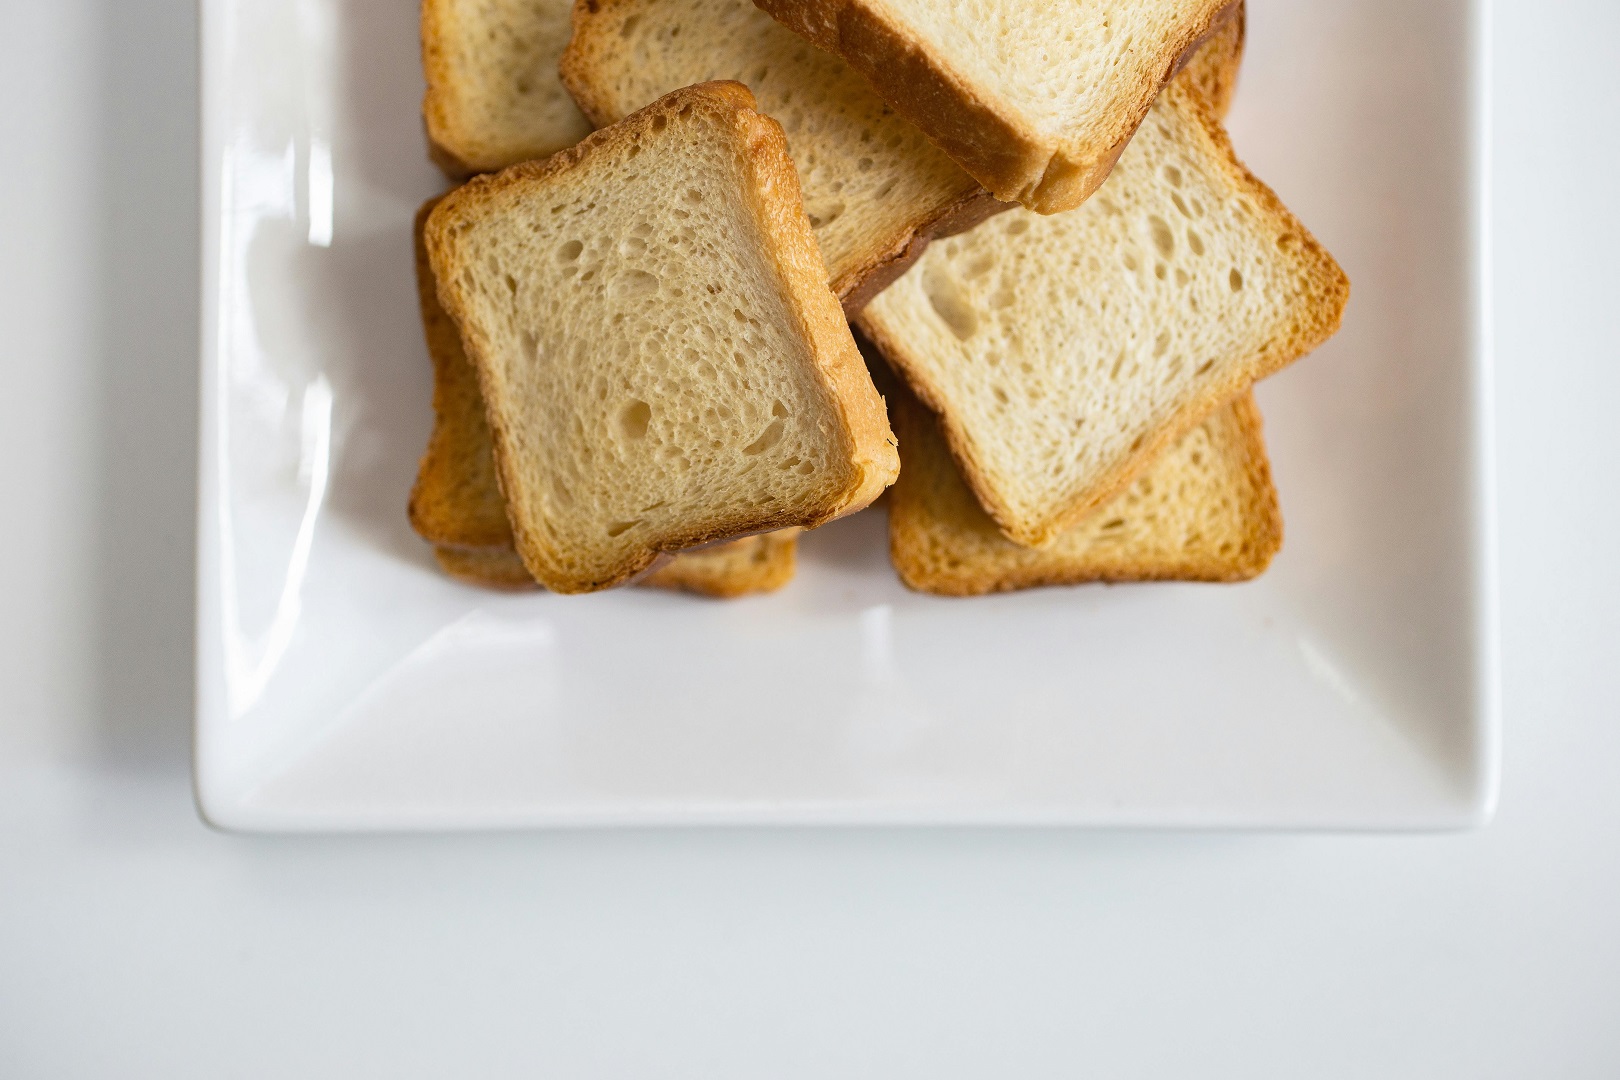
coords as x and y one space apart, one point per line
344 683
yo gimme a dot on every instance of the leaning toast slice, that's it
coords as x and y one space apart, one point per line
456 504
874 187
1064 353
1205 511
1035 99
661 359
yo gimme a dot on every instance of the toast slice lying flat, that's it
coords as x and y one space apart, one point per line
1035 99
874 187
1064 353
1205 511
493 98
456 504
662 362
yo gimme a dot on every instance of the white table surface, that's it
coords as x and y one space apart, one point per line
136 943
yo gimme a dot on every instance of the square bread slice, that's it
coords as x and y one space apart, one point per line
1205 511
493 98
874 187
1034 99
661 360
1064 353
456 504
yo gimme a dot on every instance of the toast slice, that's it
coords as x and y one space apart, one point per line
456 504
1205 511
754 564
493 98
874 187
1065 353
1034 99
661 360
1213 69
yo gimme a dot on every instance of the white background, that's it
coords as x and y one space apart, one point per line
136 943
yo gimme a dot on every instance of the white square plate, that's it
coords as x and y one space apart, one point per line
345 684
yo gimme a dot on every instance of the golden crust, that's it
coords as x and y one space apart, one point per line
1012 159
874 461
455 501
752 565
941 541
488 568
1213 69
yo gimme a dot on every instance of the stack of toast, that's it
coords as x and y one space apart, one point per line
642 334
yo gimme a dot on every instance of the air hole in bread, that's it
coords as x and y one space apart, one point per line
1234 280
531 346
631 246
634 418
570 251
1181 204
771 436
824 214
1204 367
619 528
629 26
1160 271
1173 174
1181 276
1017 227
1163 239
633 284
1195 242
1161 344
780 411
948 302
660 122
981 265
1129 259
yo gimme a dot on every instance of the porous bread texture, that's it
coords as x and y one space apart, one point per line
1213 69
493 98
1064 353
1034 99
456 504
874 187
1205 511
661 359
754 564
